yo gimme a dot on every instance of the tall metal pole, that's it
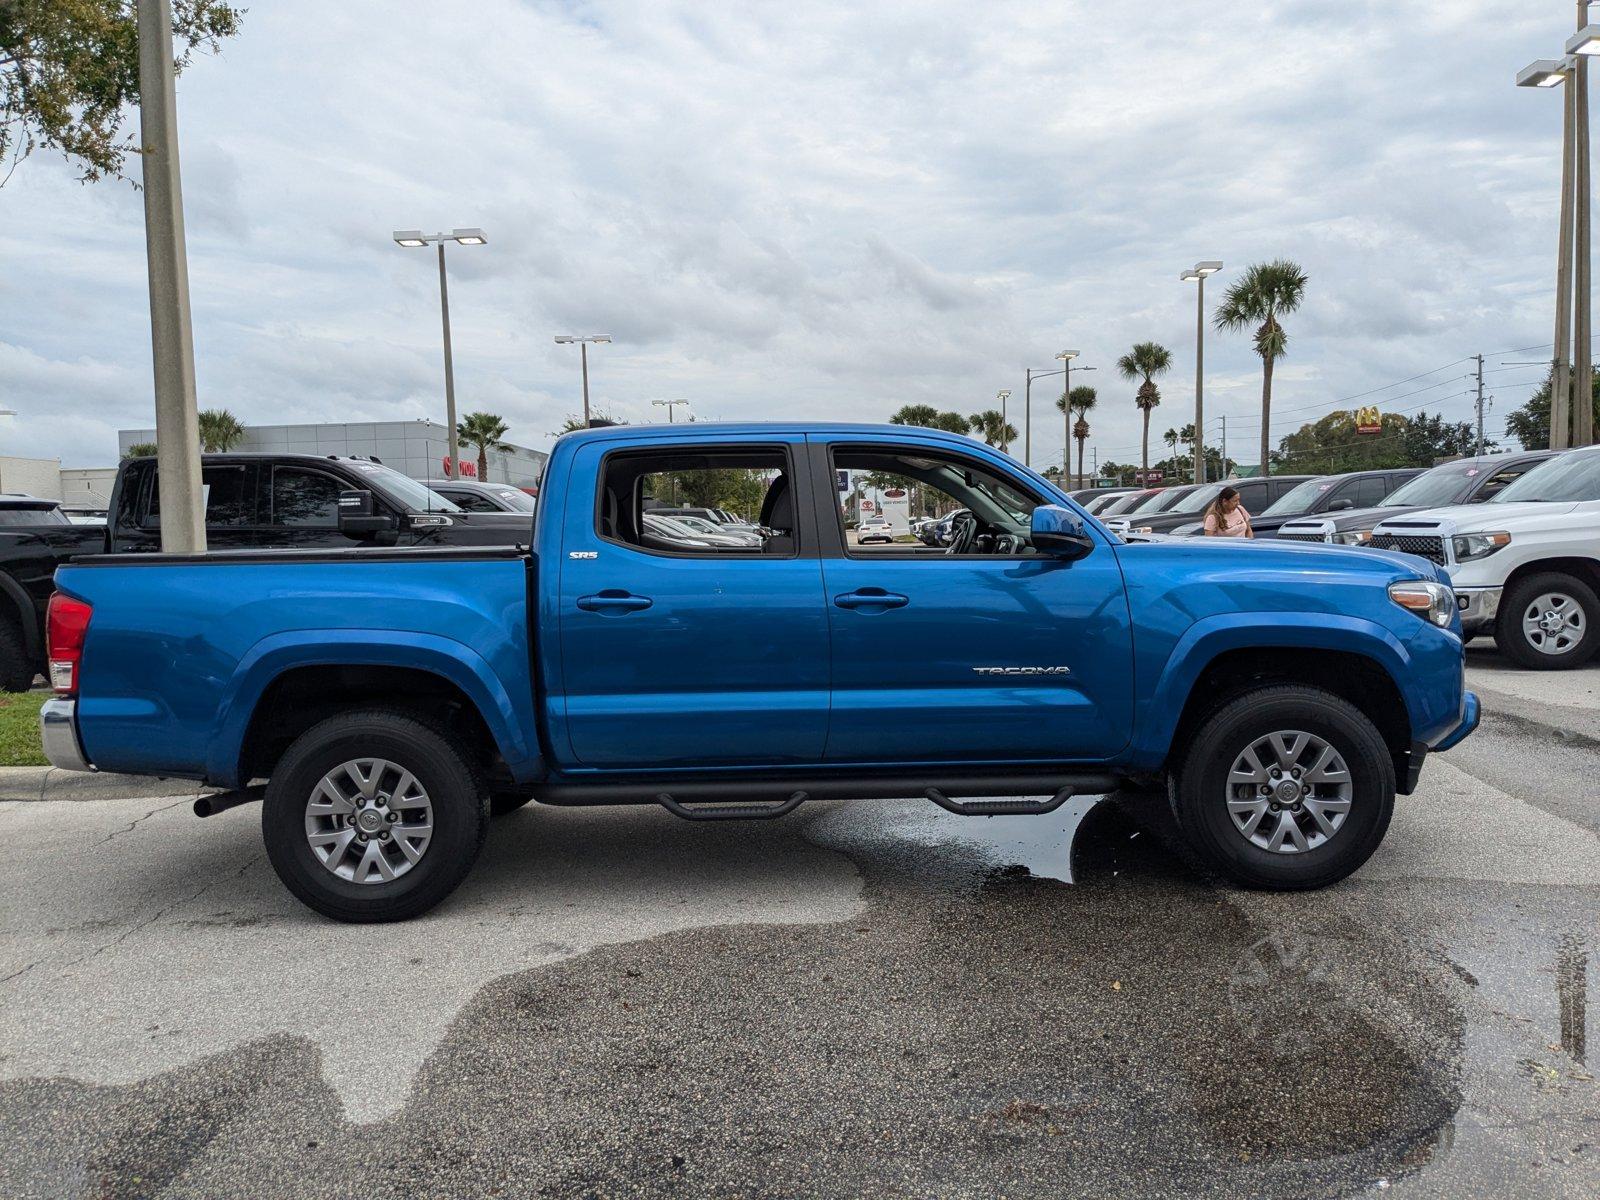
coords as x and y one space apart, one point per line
1224 463
454 468
1561 384
1027 419
583 348
1199 386
1066 421
1582 384
1480 404
183 521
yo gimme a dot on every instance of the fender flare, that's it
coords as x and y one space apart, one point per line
454 661
1210 637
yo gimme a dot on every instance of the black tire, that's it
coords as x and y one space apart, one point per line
16 668
455 789
1199 788
501 803
1512 639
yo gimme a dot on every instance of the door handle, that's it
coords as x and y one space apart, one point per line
871 597
613 600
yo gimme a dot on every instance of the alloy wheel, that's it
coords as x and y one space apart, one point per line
369 821
1289 792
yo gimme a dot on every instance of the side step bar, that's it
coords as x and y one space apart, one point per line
732 812
1001 808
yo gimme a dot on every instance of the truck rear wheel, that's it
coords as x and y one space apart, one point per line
1288 787
1548 622
16 668
374 816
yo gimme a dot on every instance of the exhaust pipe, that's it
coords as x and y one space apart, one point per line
210 806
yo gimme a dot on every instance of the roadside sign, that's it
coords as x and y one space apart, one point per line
843 478
1368 419
1100 483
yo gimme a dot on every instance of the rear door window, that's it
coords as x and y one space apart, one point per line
1371 490
229 494
305 499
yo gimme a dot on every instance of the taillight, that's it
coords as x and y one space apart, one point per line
65 625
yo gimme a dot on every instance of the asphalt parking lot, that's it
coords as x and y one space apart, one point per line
859 999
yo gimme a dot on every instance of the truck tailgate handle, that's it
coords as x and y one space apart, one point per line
613 600
871 597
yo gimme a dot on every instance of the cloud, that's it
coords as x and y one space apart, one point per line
819 211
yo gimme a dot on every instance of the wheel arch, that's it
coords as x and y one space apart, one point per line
288 683
1586 569
21 606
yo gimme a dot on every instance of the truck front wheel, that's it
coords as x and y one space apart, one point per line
374 816
1548 622
1287 787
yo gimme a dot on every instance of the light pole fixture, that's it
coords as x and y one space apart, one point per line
1543 73
1003 395
567 339
415 239
670 406
1198 274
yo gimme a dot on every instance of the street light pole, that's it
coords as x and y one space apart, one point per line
1003 395
1584 44
183 525
1197 274
414 239
670 406
566 339
1065 359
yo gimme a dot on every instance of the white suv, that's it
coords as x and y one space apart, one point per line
1526 565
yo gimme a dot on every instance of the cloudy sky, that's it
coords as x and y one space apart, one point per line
817 210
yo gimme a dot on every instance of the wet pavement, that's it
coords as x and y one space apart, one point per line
876 998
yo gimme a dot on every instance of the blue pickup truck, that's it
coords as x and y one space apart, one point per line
384 704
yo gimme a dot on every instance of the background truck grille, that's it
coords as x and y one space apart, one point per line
1430 547
1300 537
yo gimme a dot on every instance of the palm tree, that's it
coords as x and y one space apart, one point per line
140 450
219 430
1266 292
992 427
1080 402
1170 437
483 430
1145 361
929 417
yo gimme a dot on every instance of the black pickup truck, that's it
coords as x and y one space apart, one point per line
297 501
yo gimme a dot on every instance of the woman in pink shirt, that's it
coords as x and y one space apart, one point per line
1226 517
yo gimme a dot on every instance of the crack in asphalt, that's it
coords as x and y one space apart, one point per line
137 926
137 821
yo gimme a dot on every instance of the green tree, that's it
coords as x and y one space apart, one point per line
929 417
1530 424
219 430
1428 439
483 430
1079 403
140 450
1145 361
69 72
574 422
1266 292
992 427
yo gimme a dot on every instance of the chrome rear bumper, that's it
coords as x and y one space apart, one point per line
58 730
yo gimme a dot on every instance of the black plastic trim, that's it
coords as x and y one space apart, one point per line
292 555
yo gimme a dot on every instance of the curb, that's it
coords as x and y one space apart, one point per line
52 783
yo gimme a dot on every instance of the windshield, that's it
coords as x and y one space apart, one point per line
1122 504
402 489
1154 502
515 499
1440 486
1197 499
1299 498
1568 478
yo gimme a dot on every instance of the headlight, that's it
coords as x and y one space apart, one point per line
1143 529
1357 537
1469 546
1433 602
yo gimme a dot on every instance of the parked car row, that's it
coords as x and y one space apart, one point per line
1519 534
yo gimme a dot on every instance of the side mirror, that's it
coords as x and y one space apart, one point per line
1060 532
1338 505
359 516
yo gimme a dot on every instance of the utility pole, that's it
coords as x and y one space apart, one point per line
1582 384
1224 464
1027 419
1479 357
183 524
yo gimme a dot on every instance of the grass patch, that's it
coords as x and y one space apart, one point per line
19 730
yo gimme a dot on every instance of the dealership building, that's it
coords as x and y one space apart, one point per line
419 449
